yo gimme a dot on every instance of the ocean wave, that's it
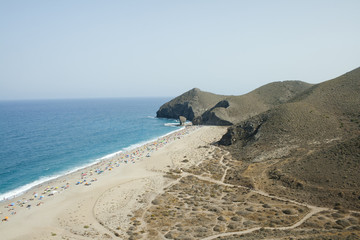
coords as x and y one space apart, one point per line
23 189
176 124
111 155
18 191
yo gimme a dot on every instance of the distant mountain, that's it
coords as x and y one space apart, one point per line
308 147
212 109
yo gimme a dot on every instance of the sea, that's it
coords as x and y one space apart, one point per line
44 139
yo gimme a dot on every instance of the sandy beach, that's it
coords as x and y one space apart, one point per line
92 202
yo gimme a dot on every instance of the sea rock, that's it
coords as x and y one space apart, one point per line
182 120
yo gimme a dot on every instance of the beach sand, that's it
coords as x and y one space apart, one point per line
70 209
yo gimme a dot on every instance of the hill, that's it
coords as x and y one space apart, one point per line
191 104
212 109
307 148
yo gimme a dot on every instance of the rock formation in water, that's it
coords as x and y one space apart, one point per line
182 120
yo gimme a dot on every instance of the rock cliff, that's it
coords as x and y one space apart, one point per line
191 105
212 109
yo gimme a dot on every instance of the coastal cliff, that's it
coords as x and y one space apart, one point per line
203 108
192 104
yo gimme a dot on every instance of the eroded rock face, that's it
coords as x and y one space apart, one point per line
176 110
211 109
211 117
191 105
244 132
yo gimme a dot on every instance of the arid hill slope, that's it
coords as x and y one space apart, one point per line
289 172
211 109
308 148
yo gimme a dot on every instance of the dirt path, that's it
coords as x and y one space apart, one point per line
313 209
224 165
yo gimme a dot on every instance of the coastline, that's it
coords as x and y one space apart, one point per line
180 189
61 193
18 192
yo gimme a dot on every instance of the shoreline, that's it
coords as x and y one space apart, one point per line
60 205
18 192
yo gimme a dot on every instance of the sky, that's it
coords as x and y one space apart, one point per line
106 49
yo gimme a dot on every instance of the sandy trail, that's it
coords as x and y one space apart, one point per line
313 209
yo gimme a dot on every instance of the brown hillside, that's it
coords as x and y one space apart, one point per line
261 100
211 109
308 148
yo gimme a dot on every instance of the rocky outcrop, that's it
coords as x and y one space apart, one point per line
245 132
191 105
182 120
212 116
176 110
210 109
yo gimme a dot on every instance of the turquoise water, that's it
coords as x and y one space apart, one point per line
40 140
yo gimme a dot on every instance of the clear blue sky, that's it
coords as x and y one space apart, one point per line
91 49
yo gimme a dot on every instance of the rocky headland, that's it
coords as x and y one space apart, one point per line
287 167
204 108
